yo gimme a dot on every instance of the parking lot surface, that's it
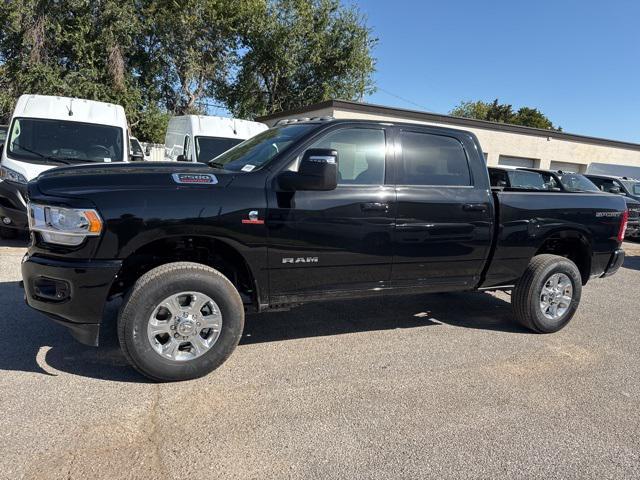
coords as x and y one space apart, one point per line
441 386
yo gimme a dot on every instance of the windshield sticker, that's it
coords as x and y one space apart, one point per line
107 159
195 178
248 168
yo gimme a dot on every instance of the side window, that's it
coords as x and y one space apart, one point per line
598 182
185 148
605 185
433 160
527 180
498 178
361 154
550 182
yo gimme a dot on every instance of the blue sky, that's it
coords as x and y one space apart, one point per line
577 61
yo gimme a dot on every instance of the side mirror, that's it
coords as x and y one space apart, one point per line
318 170
181 158
501 183
147 150
615 190
136 157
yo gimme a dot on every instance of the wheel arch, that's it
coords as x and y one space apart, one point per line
216 252
573 244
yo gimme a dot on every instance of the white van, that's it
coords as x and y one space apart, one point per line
200 138
47 132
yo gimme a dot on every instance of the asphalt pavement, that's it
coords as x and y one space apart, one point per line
430 386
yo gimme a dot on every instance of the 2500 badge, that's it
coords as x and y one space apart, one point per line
195 178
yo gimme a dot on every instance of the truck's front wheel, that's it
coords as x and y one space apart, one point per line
548 293
180 321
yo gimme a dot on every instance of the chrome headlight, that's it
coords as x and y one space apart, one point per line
64 226
8 174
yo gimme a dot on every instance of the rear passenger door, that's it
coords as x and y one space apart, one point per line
444 210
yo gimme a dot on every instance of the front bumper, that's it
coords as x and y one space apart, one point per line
616 261
13 205
73 293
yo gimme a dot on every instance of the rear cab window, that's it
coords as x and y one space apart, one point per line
433 160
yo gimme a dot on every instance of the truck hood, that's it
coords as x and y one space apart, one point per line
84 179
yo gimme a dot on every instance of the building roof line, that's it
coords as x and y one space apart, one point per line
451 120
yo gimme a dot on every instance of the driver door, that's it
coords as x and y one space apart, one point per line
338 242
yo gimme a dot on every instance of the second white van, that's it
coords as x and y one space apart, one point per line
200 138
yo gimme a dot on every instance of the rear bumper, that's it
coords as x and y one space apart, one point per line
13 205
616 261
72 293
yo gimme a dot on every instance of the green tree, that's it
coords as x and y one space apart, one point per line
159 58
503 113
296 52
67 47
188 49
532 117
468 109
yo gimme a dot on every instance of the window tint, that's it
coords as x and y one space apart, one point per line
361 153
185 148
498 178
527 180
433 160
208 148
604 184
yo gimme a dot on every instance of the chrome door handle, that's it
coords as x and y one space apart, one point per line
474 207
374 206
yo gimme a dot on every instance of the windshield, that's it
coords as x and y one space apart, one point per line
577 183
38 140
208 148
256 152
632 186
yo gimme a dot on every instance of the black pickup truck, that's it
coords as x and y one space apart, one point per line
313 210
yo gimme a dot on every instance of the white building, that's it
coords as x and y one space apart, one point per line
503 144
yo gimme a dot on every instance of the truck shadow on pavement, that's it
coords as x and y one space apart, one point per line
632 262
39 345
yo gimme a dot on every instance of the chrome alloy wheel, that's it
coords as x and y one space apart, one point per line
184 326
556 295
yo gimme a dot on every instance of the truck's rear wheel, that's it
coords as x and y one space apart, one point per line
548 294
180 321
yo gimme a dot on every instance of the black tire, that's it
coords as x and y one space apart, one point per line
155 286
527 293
8 233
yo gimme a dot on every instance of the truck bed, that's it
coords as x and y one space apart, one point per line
526 220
